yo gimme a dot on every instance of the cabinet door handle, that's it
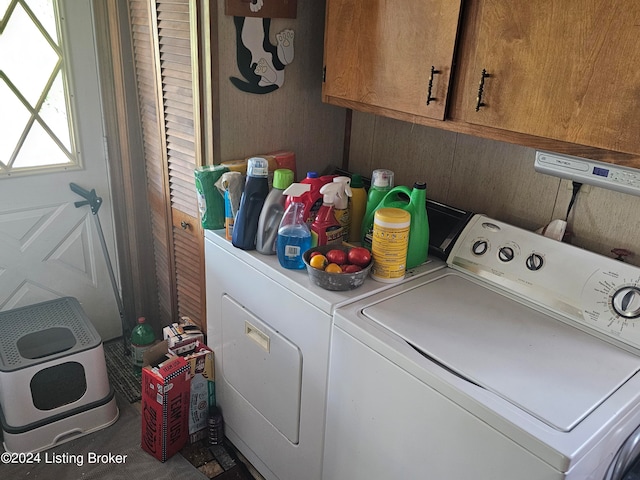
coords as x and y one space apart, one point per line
257 336
479 102
433 72
185 225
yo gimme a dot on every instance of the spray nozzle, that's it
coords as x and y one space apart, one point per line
295 190
331 192
341 200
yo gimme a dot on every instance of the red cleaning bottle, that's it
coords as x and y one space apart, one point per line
312 200
325 229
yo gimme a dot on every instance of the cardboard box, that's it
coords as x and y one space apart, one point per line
165 406
202 390
181 337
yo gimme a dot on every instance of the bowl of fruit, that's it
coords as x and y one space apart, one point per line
337 267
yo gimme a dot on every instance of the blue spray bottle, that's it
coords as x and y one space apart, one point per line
294 236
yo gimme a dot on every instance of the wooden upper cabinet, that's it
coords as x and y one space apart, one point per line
381 54
567 71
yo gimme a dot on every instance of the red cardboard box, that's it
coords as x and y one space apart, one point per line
165 407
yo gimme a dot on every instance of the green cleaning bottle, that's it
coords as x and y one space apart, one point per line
415 202
142 337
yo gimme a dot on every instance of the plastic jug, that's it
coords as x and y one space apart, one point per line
415 202
272 212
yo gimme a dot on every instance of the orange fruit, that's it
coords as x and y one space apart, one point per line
318 261
333 268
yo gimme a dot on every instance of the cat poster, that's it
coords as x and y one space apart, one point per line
261 8
260 62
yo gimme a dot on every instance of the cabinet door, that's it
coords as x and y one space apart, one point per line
562 70
382 53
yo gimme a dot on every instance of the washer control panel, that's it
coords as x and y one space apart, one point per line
595 291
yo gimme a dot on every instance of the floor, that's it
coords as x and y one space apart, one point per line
222 462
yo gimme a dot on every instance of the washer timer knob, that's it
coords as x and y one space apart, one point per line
626 302
480 247
506 254
534 262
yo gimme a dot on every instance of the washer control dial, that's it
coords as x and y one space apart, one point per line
506 254
480 247
534 262
626 302
611 303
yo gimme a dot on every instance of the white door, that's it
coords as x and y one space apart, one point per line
48 247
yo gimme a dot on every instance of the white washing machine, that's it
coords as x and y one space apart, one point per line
270 329
519 361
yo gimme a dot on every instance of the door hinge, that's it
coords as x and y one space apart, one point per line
324 74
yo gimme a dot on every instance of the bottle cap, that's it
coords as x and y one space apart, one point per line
420 185
141 319
282 178
382 178
258 167
356 181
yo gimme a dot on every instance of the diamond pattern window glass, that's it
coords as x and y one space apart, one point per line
36 122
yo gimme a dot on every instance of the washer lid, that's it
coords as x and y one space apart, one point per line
553 371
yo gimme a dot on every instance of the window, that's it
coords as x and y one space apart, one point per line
35 124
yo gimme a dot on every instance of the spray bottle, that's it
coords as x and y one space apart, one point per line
294 237
312 199
272 212
381 183
325 229
341 205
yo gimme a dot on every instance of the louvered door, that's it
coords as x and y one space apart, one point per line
166 60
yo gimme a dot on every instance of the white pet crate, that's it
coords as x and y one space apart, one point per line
53 376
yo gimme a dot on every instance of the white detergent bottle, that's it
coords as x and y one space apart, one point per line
294 236
272 212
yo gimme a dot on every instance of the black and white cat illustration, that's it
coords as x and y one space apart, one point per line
259 61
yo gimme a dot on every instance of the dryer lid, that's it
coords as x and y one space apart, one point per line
553 371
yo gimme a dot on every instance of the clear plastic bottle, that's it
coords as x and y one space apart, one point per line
294 236
272 212
142 337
